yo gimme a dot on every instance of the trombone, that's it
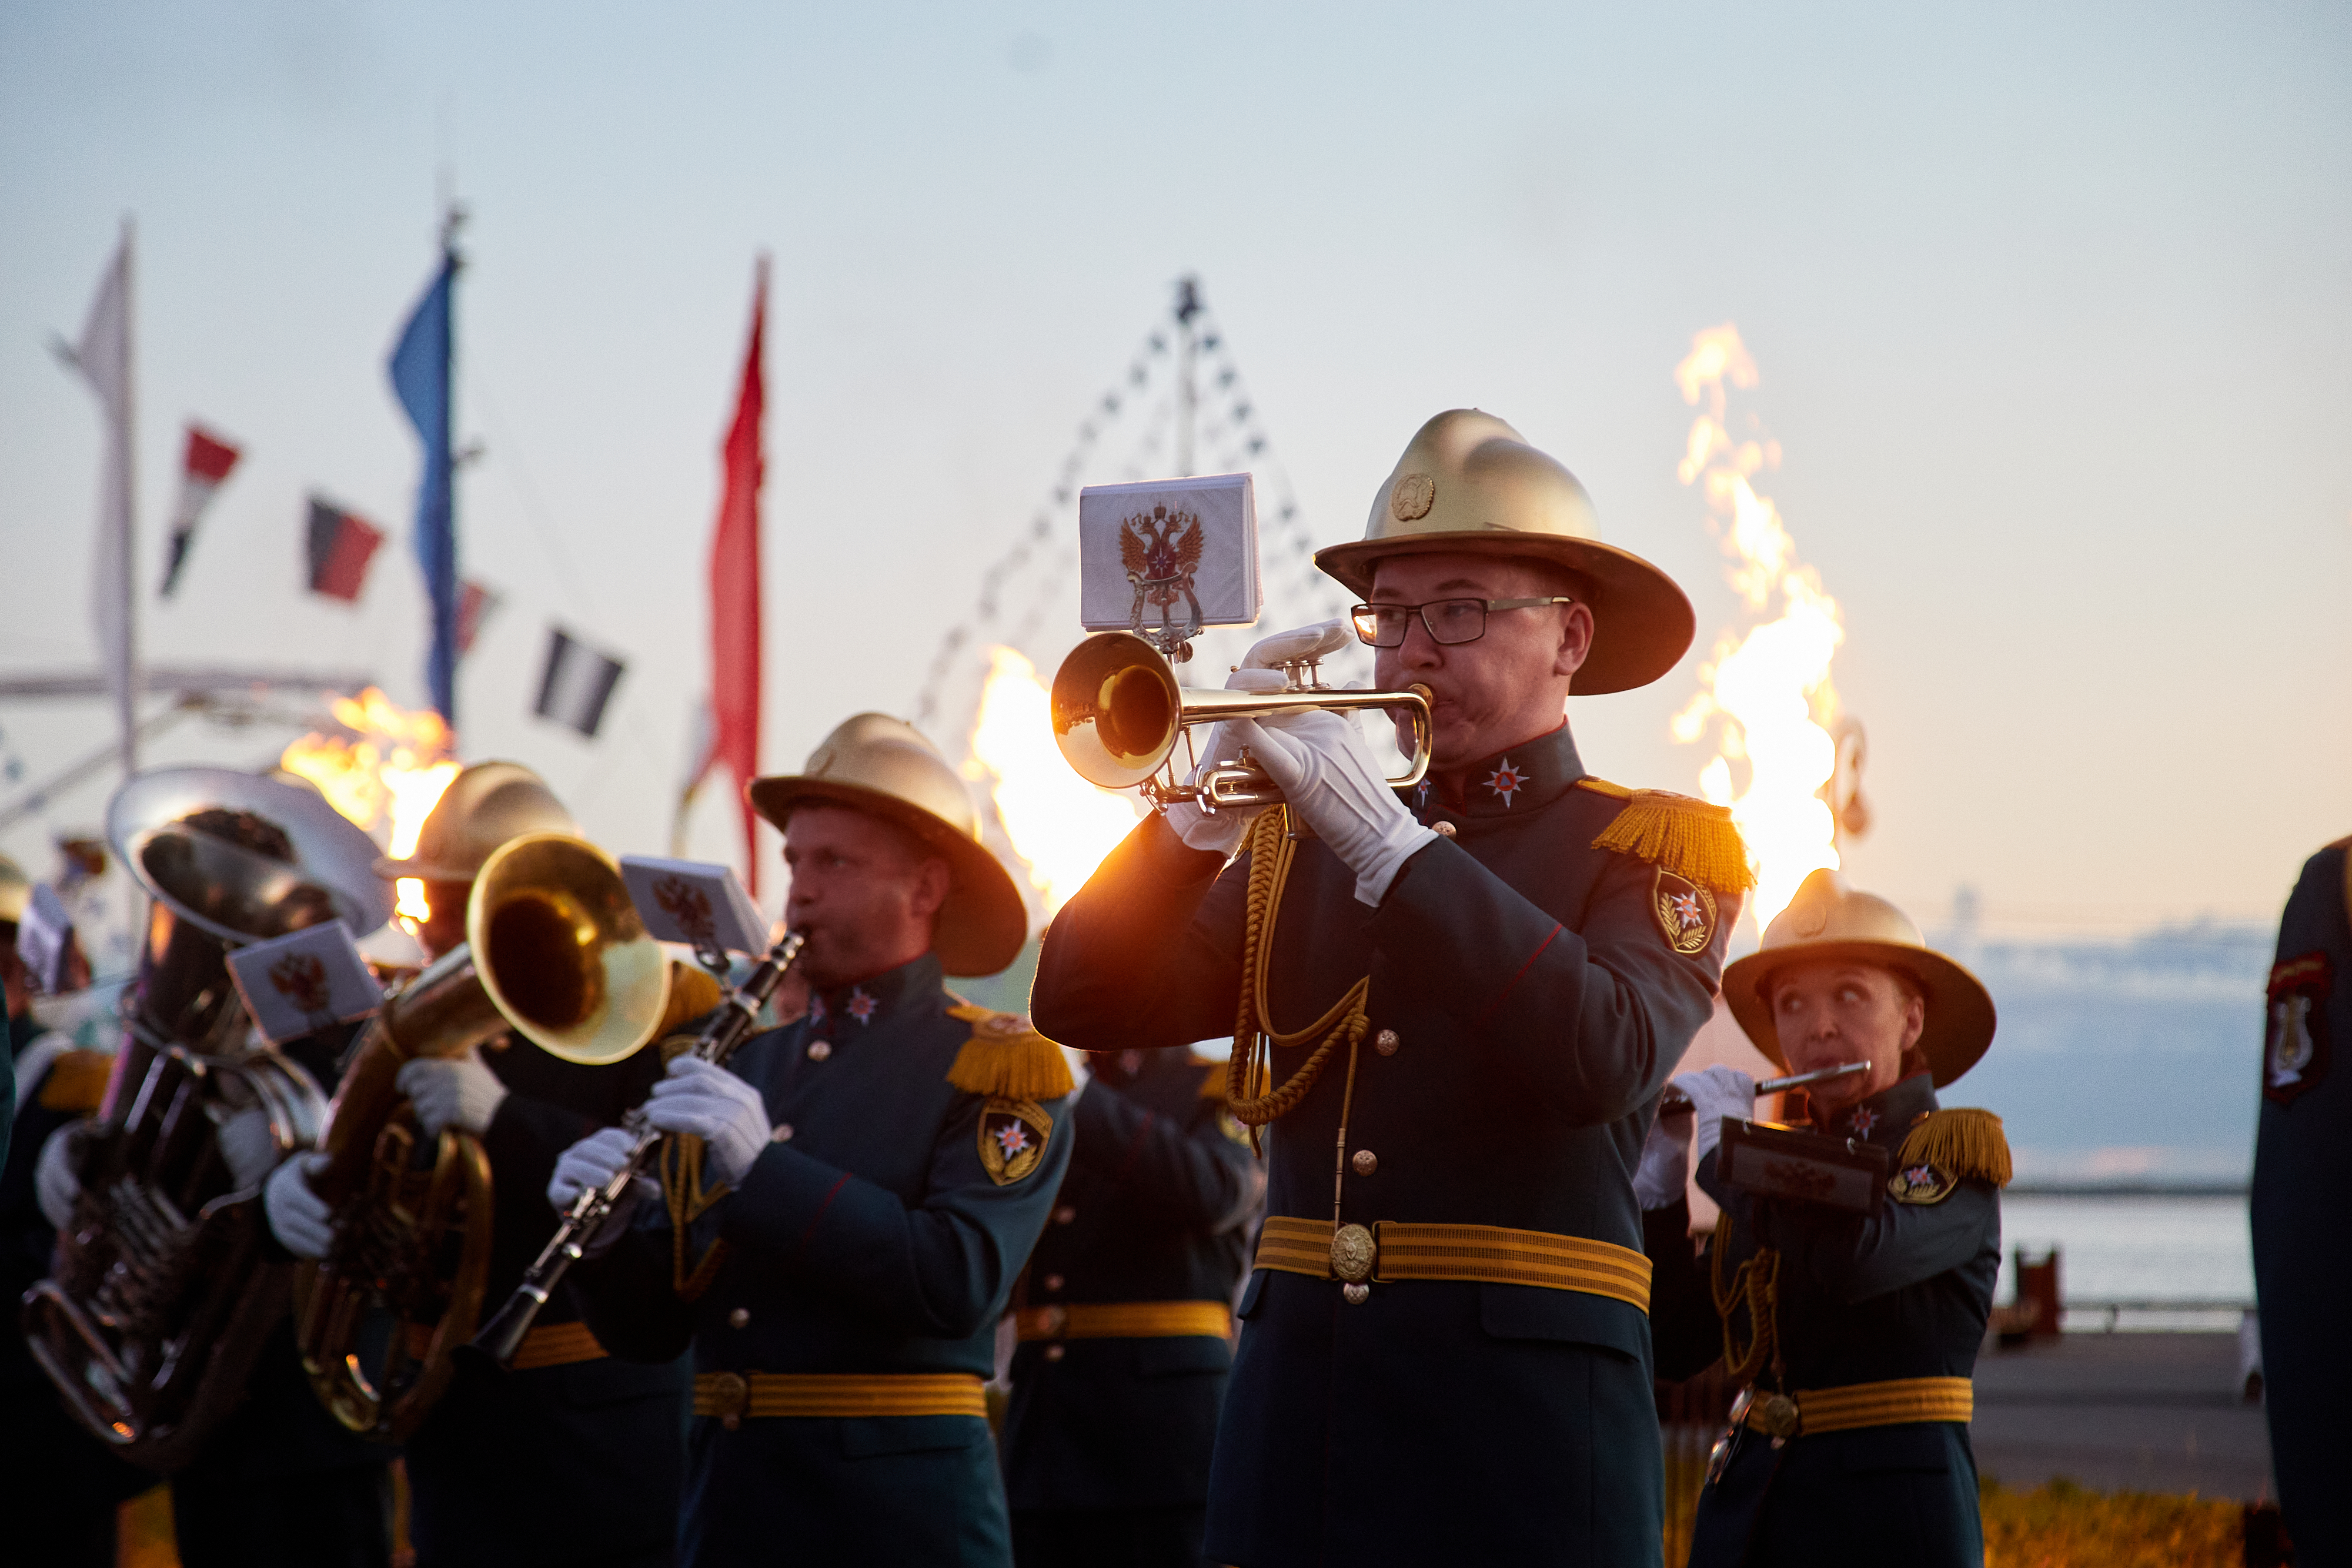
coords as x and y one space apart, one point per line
1118 714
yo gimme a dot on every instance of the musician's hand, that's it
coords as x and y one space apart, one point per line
1665 1169
1716 1092
1326 769
717 1107
591 1161
459 1092
54 1184
248 1146
1224 830
299 1217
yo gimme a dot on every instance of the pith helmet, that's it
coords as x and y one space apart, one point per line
484 805
16 891
1829 920
1470 482
885 768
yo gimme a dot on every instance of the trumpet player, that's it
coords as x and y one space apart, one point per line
591 1442
1459 1006
845 1205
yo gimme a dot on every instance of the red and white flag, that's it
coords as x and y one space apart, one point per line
207 463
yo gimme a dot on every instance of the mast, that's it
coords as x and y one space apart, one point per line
1188 397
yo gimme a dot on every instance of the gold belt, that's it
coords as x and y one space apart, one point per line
1894 1403
1487 1254
1124 1319
734 1395
556 1344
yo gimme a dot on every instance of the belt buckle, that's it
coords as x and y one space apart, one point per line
1353 1254
1781 1418
730 1398
1055 1320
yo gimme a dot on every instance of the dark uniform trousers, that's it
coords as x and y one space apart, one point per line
877 1236
2303 1168
1901 1293
1526 1005
1107 1437
580 1463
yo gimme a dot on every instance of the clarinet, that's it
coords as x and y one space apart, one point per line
502 1336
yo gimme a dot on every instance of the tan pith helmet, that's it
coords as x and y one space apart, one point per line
16 891
886 767
1469 482
1828 920
485 806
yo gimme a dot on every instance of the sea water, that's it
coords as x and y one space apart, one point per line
2133 1248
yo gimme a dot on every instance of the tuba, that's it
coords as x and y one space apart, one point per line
1118 714
162 1295
555 952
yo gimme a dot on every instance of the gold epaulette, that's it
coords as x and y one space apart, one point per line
1963 1143
1692 837
1007 1058
76 1081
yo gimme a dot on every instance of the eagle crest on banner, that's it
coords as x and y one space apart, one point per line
1160 553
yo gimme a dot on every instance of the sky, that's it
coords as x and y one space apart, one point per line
2053 308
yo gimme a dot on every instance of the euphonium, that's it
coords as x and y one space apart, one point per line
1118 714
555 952
162 1297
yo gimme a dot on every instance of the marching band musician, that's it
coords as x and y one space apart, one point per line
846 1204
1857 1332
1474 995
595 1443
1124 1317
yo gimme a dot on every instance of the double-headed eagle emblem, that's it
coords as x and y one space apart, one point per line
1160 553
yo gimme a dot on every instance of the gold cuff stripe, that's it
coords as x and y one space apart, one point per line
1125 1319
556 1344
1895 1403
1482 1254
787 1394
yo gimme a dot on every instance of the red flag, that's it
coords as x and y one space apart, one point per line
735 585
341 545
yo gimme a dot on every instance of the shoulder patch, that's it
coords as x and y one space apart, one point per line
1962 1143
1007 1058
2294 1027
1686 911
1013 1136
1925 1182
1694 839
76 1081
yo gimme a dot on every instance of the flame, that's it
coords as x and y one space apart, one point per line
1060 825
385 776
1770 687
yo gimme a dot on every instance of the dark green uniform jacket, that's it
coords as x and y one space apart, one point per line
597 1446
2303 1168
870 1237
1904 1292
1536 1006
1156 1207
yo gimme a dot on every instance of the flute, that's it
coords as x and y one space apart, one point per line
1674 1101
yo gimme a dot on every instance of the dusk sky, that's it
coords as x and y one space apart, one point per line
2052 307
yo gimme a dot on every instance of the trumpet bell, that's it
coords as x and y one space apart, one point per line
1117 710
562 952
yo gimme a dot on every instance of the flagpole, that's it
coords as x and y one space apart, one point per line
127 713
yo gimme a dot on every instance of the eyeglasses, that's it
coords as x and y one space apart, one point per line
1449 621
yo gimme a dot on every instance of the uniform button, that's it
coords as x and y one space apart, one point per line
1385 1042
1445 829
1356 1294
738 1317
1057 1351
1366 1162
1053 1282
1065 1214
782 1134
819 1049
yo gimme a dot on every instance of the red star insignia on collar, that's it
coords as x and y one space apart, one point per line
1506 781
1863 1120
861 1006
816 1009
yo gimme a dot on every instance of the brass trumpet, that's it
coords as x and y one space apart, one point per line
1118 713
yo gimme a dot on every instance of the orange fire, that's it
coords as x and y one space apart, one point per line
1061 826
385 775
1768 685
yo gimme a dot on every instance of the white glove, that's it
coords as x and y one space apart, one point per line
1081 1072
459 1092
247 1147
717 1107
1714 1093
299 1217
55 1187
1326 769
1222 832
591 1161
1665 1170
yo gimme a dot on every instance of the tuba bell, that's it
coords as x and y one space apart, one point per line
1118 715
162 1296
554 952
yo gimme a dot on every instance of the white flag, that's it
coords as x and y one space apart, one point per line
103 358
577 684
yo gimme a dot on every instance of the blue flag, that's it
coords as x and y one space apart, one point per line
420 375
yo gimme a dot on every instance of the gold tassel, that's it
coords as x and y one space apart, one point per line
680 1160
1963 1142
1693 838
1006 1057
